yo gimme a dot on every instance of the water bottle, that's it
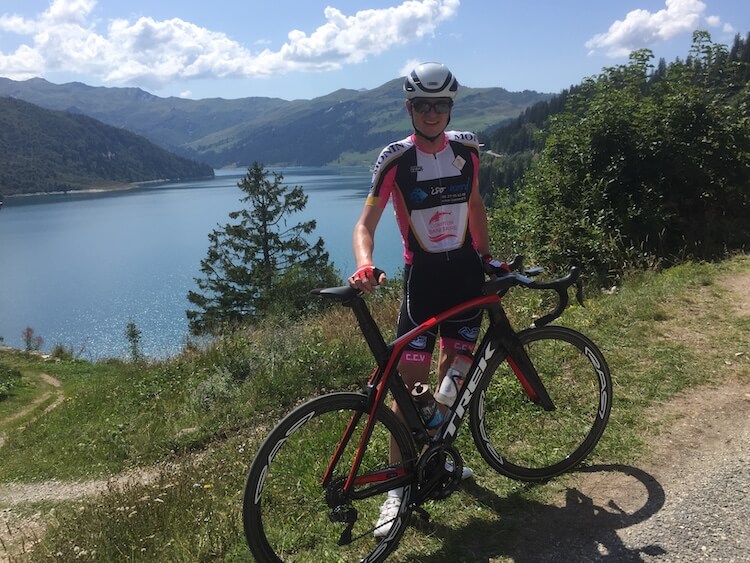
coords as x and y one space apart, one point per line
427 406
454 378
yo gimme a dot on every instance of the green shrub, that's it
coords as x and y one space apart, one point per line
10 378
218 387
62 352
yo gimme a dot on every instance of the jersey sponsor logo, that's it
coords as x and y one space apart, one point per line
469 333
435 218
415 169
441 227
459 162
459 188
465 136
418 196
450 193
441 238
388 151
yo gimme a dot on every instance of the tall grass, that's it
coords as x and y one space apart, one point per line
195 421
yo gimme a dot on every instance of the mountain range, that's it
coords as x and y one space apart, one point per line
344 127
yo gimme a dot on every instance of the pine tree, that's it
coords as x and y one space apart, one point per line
257 264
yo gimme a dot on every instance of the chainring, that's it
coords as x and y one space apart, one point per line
436 480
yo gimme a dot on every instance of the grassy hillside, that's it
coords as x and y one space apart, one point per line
45 151
193 423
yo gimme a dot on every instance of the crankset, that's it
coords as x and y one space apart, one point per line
439 472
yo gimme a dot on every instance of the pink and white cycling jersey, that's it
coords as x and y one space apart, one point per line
430 192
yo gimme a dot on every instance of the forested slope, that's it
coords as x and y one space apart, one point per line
45 151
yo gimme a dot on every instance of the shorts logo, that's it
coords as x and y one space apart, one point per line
468 333
419 343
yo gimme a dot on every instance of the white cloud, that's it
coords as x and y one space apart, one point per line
408 67
641 28
25 63
152 53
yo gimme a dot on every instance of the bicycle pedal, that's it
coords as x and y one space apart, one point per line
423 514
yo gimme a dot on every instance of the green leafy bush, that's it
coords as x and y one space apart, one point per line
643 167
10 378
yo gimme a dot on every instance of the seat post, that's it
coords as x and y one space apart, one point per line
370 330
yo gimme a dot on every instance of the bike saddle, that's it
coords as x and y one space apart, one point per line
341 293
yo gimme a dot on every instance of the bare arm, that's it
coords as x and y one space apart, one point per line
363 242
478 222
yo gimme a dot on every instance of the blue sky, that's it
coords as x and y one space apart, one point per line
306 48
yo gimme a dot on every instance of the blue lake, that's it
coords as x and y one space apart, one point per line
77 268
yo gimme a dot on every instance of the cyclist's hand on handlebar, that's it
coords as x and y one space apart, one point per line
494 267
366 278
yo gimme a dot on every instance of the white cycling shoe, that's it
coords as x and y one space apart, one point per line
466 472
390 509
388 514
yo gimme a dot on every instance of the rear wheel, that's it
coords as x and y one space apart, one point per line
519 438
290 515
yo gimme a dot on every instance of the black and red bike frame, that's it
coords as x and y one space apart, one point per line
498 343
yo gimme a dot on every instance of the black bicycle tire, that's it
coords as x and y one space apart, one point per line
500 461
255 531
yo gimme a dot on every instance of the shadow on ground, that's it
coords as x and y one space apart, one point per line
583 528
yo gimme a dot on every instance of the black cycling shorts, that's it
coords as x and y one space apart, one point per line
432 286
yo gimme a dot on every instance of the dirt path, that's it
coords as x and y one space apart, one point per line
43 397
20 529
17 533
687 500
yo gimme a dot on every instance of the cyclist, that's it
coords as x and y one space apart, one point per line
432 179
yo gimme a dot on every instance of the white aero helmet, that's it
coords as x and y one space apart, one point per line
430 80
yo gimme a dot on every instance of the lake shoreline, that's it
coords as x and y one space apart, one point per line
117 187
122 187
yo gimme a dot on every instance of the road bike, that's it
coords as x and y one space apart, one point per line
538 402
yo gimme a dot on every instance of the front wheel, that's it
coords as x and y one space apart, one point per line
291 514
520 439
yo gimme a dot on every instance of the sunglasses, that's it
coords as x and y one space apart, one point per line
423 106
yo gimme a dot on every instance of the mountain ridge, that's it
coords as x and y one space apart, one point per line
344 126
